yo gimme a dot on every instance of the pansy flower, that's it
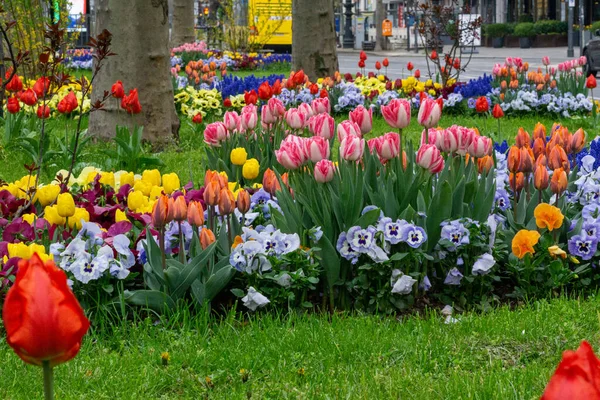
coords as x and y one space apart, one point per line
414 235
583 246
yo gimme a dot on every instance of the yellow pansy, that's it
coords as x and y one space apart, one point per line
170 183
29 218
120 216
107 178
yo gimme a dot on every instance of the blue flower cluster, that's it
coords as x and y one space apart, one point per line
481 86
593 150
83 61
233 85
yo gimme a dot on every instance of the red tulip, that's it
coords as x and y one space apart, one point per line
377 65
299 77
363 55
264 91
117 91
497 112
590 82
433 55
41 86
276 87
323 93
576 377
13 105
386 62
482 105
131 103
409 66
227 103
160 212
456 63
15 84
43 111
417 74
251 97
42 318
29 97
197 118
68 104
361 63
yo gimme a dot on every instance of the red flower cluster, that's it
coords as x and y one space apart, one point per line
131 103
68 104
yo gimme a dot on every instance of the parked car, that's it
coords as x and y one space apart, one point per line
592 53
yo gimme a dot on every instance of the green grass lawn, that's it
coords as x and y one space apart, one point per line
503 354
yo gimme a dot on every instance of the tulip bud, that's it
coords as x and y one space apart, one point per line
485 164
513 159
324 171
195 213
522 139
65 205
559 181
497 112
243 201
539 131
541 178
558 159
578 141
177 209
517 184
539 147
226 202
207 237
526 160
160 212
211 192
270 182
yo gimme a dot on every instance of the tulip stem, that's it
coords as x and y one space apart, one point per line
48 380
161 239
400 144
181 245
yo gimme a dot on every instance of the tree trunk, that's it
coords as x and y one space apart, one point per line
183 22
140 40
314 47
380 40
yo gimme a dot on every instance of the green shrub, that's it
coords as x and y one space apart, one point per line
550 27
497 30
595 26
525 29
525 18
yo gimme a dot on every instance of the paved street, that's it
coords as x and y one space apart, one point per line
481 63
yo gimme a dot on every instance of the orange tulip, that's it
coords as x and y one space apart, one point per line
195 213
539 147
577 141
177 209
558 159
243 201
526 160
211 192
559 181
514 159
541 178
207 237
42 317
522 139
226 202
541 160
485 163
539 131
160 212
270 182
518 184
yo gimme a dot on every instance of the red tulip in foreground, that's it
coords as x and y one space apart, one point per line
576 377
44 321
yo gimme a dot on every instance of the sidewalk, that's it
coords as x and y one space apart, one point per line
556 54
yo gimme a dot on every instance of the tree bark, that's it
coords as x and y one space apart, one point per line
183 22
314 47
380 40
140 40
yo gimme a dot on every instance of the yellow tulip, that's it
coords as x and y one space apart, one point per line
144 187
66 205
108 179
127 178
75 220
47 194
29 218
36 248
120 216
136 200
251 169
238 156
19 250
170 182
51 215
156 192
151 176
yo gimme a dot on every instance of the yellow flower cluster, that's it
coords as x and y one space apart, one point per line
21 250
368 85
192 101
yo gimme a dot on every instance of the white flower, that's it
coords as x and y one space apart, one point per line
254 300
404 285
483 264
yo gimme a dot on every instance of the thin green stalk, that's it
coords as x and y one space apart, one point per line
181 244
48 380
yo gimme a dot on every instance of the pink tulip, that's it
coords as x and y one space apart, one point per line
430 112
372 144
553 70
388 146
266 116
582 61
448 141
290 155
231 119
465 137
397 113
363 118
324 171
347 128
546 60
509 61
430 158
321 106
276 108
306 110
317 148
249 117
301 143
352 148
215 133
294 118
322 125
480 146
433 135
